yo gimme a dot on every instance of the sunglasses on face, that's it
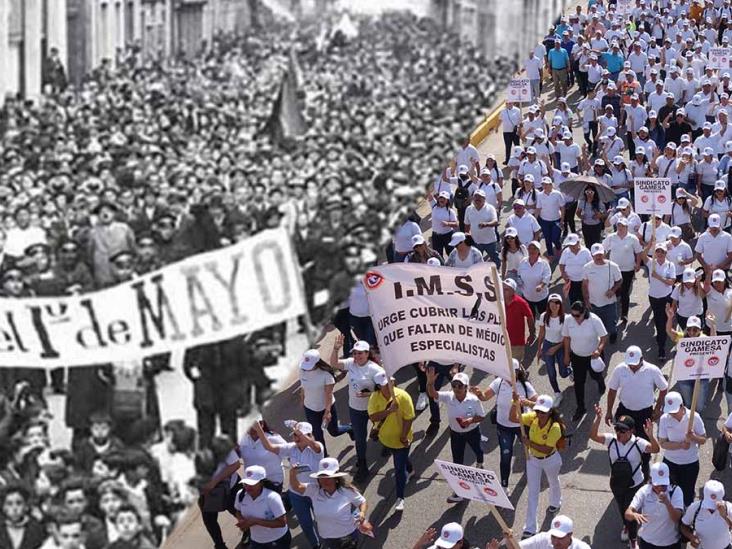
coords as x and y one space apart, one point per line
576 315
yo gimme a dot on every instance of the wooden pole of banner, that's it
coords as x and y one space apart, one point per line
509 356
694 398
504 527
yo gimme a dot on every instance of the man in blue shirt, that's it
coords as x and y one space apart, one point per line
614 61
559 66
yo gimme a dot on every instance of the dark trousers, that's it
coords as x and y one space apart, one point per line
631 145
283 543
363 328
591 137
575 291
582 82
570 209
538 307
334 428
658 306
360 426
206 419
402 466
57 378
421 379
625 290
640 417
509 140
592 234
552 232
443 375
211 523
441 243
346 542
581 367
684 476
458 441
506 439
645 545
623 499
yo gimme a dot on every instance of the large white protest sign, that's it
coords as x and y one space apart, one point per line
719 58
653 195
423 313
476 484
623 7
519 90
205 298
701 357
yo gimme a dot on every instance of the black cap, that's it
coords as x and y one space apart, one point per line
625 423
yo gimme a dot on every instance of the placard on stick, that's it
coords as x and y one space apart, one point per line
701 358
519 91
653 195
475 484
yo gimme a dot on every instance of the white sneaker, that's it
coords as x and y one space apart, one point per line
557 399
454 498
624 534
399 505
484 439
422 402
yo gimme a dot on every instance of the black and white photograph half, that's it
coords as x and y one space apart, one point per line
191 192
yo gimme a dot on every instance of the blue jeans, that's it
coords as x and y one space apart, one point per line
443 374
506 438
609 316
402 466
335 429
552 361
686 388
360 426
552 231
491 250
303 508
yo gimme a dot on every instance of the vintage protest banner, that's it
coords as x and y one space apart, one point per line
476 484
653 195
519 90
719 58
701 357
204 298
423 313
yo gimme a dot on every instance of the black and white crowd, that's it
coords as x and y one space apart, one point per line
556 217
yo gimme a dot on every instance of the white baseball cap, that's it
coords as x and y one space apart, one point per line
689 275
693 322
309 359
328 468
511 231
463 169
618 160
304 427
511 283
633 355
720 185
675 232
622 221
718 276
713 493
565 168
254 474
361 346
571 239
479 192
381 378
562 526
462 377
660 474
534 243
450 535
660 246
597 249
444 194
611 131
672 403
544 403
434 262
417 240
623 203
714 220
708 151
457 238
532 150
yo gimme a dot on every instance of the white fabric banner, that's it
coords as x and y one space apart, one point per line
205 298
653 195
476 484
701 357
447 314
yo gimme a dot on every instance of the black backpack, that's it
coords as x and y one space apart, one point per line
621 470
462 194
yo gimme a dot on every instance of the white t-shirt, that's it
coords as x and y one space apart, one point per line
544 541
689 303
526 226
656 288
679 253
675 431
709 526
552 331
660 530
530 276
468 156
403 237
504 399
313 383
718 304
600 279
231 459
360 378
468 408
584 337
334 513
473 217
267 506
574 264
617 449
623 250
636 389
307 459
721 207
533 68
550 205
358 303
713 249
254 453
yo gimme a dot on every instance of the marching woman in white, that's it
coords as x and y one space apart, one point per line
707 522
687 297
261 511
682 211
585 338
464 414
306 452
253 452
550 343
534 275
678 252
719 203
545 437
680 445
512 252
626 452
656 509
360 369
444 222
507 430
340 509
316 391
719 303
463 255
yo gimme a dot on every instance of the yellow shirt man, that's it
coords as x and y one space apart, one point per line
548 435
390 432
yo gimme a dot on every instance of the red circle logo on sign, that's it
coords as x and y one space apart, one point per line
490 491
644 198
689 362
661 199
713 360
464 485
